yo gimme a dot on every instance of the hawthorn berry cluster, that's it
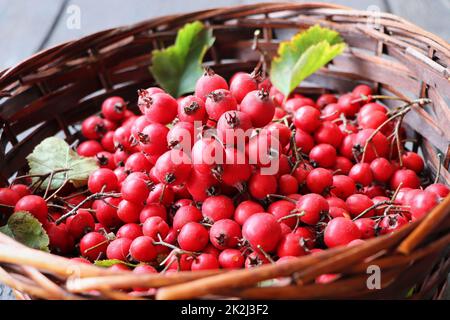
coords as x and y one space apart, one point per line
343 175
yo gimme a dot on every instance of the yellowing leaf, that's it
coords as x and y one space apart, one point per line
303 55
55 155
178 67
26 229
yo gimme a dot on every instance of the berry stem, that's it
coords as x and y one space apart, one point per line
397 139
279 196
36 185
57 206
379 97
96 246
168 245
376 205
265 254
95 196
283 119
386 210
438 173
41 178
374 133
64 202
324 117
262 64
292 215
175 249
401 113
298 157
109 204
73 195
56 191
45 176
169 264
396 192
161 196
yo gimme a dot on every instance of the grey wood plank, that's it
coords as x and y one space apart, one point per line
356 4
433 16
6 293
103 14
23 25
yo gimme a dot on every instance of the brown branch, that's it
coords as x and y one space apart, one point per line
95 196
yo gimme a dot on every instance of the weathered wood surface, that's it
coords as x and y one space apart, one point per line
135 10
433 16
27 27
24 27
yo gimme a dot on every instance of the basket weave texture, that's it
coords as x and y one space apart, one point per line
53 90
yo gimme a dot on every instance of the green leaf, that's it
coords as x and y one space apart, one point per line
54 154
25 228
178 67
6 230
410 292
303 55
110 262
266 283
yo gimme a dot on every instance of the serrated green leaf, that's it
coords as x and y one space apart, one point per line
303 55
110 262
26 229
54 154
178 67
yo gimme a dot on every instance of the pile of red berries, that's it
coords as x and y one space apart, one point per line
340 174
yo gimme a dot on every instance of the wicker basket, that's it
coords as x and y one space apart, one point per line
56 88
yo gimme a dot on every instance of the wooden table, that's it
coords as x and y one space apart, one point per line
28 27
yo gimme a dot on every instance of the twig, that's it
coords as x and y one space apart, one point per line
57 190
438 173
265 254
161 196
50 180
95 196
64 202
404 110
36 185
286 117
396 191
379 97
376 205
397 139
96 245
57 206
263 55
73 195
175 253
279 196
292 215
377 130
46 175
297 153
